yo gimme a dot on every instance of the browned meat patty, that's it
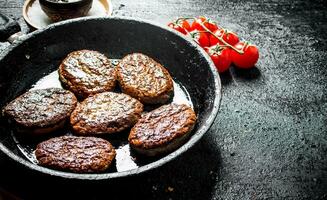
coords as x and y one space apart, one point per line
77 154
41 111
144 79
106 112
87 72
162 130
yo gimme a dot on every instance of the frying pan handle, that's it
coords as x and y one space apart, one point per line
8 28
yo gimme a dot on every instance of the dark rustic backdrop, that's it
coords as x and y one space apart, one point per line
269 140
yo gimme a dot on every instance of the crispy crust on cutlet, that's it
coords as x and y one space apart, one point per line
41 130
162 130
77 154
174 144
86 72
41 111
144 79
105 113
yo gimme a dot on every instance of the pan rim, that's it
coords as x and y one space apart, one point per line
103 176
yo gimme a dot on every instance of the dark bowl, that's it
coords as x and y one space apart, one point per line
58 10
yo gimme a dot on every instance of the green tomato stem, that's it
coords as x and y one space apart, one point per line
185 18
219 38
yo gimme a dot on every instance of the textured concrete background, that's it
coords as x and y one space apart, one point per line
269 140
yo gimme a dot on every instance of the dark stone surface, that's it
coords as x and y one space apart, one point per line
270 138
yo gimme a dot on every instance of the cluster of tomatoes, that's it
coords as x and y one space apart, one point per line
223 46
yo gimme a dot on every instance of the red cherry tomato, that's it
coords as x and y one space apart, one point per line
228 36
220 57
196 25
246 60
201 38
180 25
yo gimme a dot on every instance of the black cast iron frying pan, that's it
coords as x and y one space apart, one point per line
25 62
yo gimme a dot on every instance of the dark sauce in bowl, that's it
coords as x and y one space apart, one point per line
58 10
64 1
